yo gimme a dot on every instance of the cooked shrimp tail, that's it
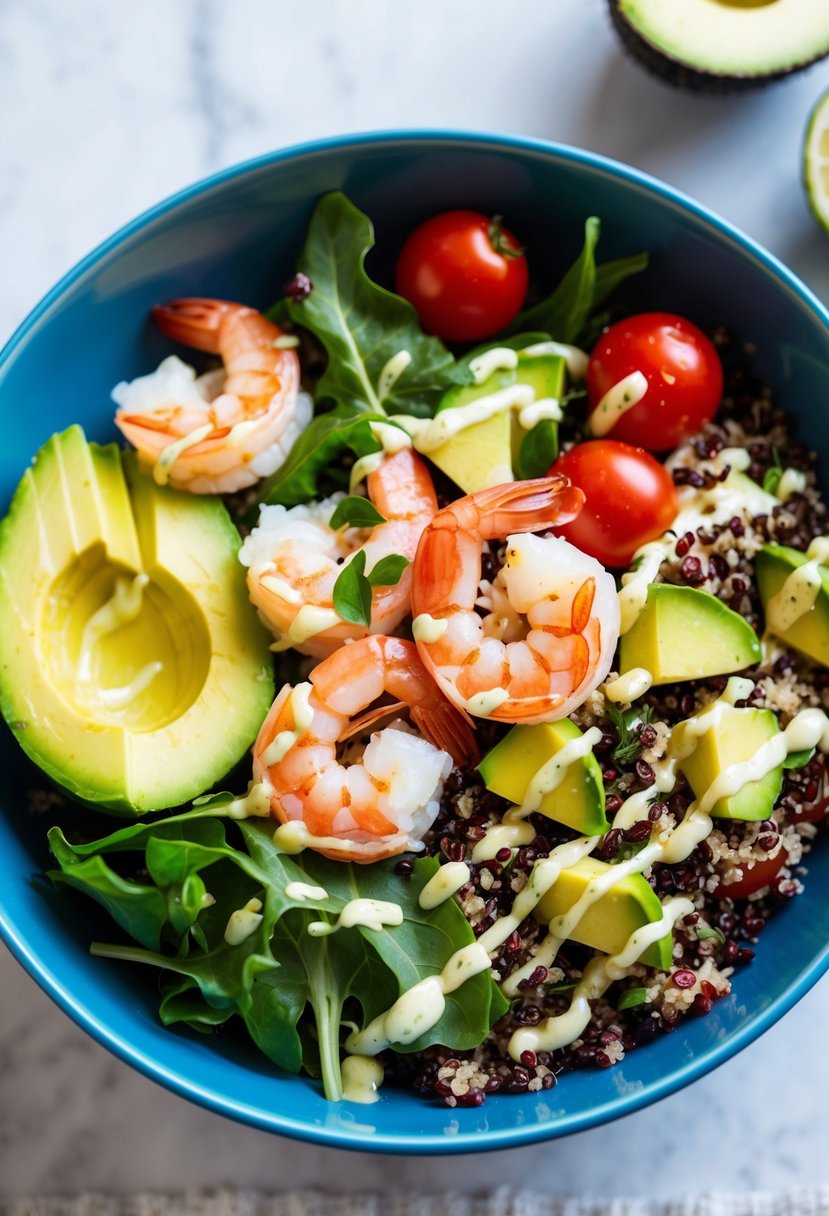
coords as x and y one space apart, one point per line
194 321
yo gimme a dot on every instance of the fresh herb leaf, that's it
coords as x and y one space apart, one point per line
321 443
798 759
564 313
555 989
389 570
538 450
352 591
707 933
772 478
625 722
362 326
355 512
631 998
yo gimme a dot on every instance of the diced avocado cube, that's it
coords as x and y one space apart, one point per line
810 632
485 454
630 904
511 765
735 738
686 634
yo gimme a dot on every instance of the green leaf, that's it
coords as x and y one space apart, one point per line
625 723
321 444
798 759
556 989
538 450
352 591
361 325
706 933
772 478
631 998
388 571
611 275
355 512
564 313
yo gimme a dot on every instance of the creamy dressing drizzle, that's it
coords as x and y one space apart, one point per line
309 621
293 837
286 342
550 776
243 922
304 890
428 434
255 804
575 358
442 886
279 587
122 608
485 703
497 359
700 508
391 439
799 592
362 1078
426 628
170 454
793 481
616 402
370 913
303 716
629 687
391 373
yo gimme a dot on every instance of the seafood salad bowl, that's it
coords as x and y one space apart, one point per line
674 848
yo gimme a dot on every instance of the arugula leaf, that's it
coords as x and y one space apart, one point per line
352 591
706 933
321 443
388 571
355 512
361 325
279 980
631 998
570 313
538 450
564 313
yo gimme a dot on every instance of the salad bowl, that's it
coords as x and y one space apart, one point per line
236 236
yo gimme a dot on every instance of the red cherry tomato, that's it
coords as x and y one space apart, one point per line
630 499
754 877
683 372
464 273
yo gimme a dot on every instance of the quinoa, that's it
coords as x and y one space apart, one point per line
718 937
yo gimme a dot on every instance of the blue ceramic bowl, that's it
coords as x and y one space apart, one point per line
236 235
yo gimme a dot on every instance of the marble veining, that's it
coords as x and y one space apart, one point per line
109 107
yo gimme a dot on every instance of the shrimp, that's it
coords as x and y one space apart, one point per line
384 803
550 633
219 433
294 558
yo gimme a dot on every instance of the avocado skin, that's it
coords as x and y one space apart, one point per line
681 75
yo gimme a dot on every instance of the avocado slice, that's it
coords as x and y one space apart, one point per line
722 45
810 632
630 904
685 634
133 669
511 765
736 738
486 453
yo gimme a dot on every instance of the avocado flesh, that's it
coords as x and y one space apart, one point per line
80 523
510 766
485 454
736 738
810 633
722 45
630 904
686 634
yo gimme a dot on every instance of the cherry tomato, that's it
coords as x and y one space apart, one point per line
464 273
683 372
630 499
754 877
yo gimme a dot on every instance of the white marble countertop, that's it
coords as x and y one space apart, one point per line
107 108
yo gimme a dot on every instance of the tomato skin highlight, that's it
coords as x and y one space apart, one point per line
464 287
681 366
630 499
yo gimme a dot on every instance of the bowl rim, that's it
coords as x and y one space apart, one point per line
341 1137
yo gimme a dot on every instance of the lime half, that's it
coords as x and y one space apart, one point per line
816 161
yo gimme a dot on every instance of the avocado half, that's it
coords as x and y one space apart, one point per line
720 46
133 669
